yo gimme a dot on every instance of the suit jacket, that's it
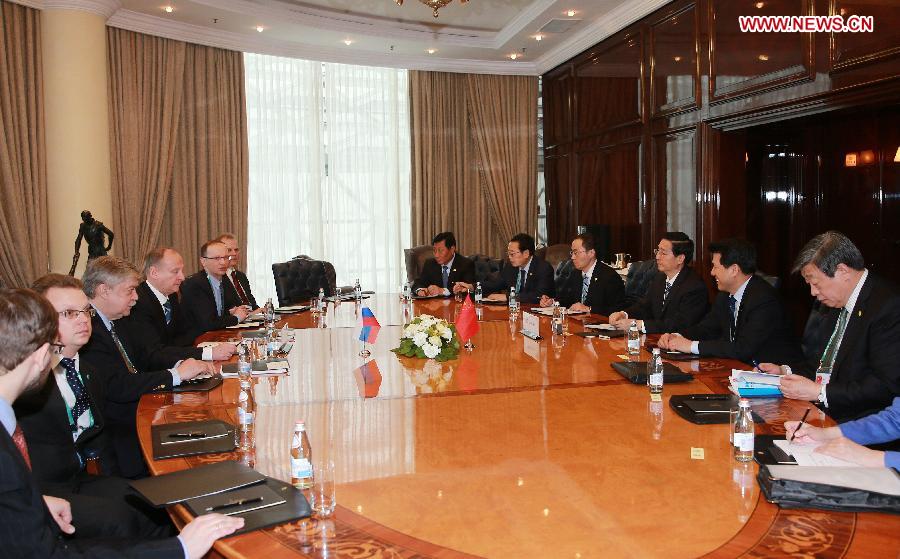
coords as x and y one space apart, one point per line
27 530
605 293
538 281
123 389
164 344
199 304
866 372
463 270
45 422
763 331
241 278
686 304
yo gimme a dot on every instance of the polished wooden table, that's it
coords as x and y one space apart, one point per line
517 449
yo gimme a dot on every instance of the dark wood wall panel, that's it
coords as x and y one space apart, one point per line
608 88
849 50
675 67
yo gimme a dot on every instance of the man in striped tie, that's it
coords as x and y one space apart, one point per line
594 287
237 278
850 363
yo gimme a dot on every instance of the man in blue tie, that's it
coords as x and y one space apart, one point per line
157 317
594 287
208 298
448 272
747 321
529 274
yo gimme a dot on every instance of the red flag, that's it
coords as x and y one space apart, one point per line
368 379
467 322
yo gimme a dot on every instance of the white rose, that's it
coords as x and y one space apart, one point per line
434 340
420 339
430 351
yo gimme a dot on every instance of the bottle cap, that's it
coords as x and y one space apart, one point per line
245 383
744 403
655 351
299 424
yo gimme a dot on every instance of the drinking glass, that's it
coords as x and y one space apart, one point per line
322 493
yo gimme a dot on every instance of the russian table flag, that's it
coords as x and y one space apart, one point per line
370 326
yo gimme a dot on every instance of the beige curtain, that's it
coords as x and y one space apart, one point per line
450 180
179 144
146 88
24 245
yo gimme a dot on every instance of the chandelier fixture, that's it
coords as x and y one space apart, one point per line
434 4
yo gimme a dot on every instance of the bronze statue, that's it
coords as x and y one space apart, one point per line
93 232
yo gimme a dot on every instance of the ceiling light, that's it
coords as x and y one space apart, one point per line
763 57
432 51
538 37
571 13
514 56
897 157
168 9
348 42
760 5
435 5
677 59
260 28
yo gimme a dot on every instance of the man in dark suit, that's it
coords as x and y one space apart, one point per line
597 288
446 273
531 276
32 525
209 300
850 366
677 297
111 286
747 321
64 423
237 278
158 320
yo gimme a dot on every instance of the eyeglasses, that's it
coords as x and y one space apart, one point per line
57 348
72 314
513 253
662 251
219 258
579 251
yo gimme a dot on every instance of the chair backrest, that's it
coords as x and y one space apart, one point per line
554 254
415 258
638 280
486 267
301 278
774 281
561 274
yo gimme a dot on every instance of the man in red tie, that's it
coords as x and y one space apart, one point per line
238 278
32 525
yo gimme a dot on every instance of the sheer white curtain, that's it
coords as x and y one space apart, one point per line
329 169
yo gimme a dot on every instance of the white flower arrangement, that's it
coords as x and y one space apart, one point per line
429 337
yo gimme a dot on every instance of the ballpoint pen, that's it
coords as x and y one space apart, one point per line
794 434
190 435
237 503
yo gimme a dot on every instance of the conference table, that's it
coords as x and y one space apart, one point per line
518 448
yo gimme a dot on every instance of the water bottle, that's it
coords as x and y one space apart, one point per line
634 339
357 291
246 412
556 323
245 365
744 432
478 293
407 293
269 314
513 304
301 458
322 301
655 372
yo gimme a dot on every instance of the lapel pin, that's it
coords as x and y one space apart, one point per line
859 313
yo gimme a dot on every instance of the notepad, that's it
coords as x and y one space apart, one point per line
805 455
271 366
292 309
253 324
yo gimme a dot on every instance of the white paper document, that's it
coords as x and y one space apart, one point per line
756 377
805 456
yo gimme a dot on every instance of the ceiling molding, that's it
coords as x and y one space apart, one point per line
36 4
618 18
105 8
519 23
161 27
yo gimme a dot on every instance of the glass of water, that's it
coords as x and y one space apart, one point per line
322 492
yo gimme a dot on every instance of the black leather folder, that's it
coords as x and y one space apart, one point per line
198 385
189 438
292 505
636 372
168 489
707 409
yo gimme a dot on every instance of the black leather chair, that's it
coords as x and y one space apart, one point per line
486 268
637 282
774 281
554 254
415 258
300 278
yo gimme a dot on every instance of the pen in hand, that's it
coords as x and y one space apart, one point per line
755 364
794 434
236 503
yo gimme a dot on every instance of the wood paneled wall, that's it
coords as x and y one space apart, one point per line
673 99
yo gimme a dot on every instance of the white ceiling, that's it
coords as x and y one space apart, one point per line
475 37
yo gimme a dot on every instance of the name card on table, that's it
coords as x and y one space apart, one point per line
531 348
531 326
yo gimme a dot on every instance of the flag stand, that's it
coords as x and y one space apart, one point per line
364 352
469 345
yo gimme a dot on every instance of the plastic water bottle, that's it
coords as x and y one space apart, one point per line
744 432
407 293
556 323
513 304
301 458
321 301
269 314
478 293
246 412
357 291
245 365
655 372
634 339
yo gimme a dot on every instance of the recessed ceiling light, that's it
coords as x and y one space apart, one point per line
760 5
168 9
571 13
431 51
260 28
538 37
763 57
677 59
348 42
514 56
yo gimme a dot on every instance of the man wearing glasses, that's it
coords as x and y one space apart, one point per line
237 278
676 299
596 288
209 300
531 276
